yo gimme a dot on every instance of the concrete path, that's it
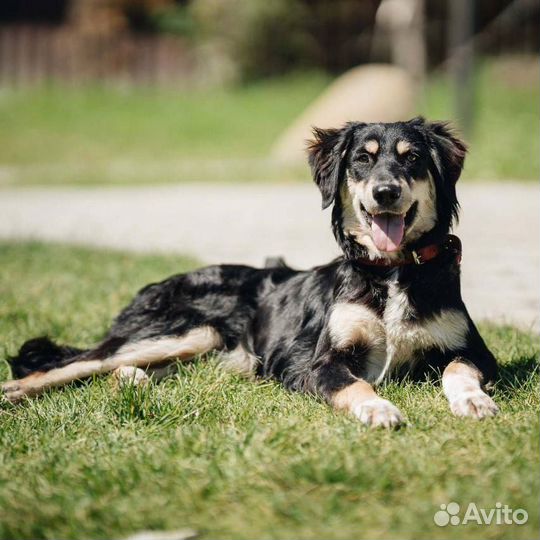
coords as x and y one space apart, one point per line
500 229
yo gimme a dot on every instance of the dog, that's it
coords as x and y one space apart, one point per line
390 307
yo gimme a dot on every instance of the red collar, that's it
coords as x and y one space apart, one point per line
421 255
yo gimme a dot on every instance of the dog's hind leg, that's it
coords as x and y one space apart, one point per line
143 354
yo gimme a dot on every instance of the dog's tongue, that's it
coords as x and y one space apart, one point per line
387 231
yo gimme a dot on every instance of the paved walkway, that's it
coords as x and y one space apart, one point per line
500 229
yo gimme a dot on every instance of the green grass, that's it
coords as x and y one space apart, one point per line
505 138
93 135
104 135
230 458
105 124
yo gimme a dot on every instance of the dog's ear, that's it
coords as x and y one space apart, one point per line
327 153
447 155
447 151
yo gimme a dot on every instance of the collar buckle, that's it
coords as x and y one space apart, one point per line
417 258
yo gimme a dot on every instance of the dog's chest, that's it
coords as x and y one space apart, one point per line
403 337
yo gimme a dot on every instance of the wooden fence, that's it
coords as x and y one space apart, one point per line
31 54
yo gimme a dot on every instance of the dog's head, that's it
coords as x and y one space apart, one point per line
392 185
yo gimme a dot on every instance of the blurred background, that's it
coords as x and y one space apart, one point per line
140 91
180 125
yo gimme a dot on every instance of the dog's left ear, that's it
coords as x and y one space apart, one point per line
327 154
447 151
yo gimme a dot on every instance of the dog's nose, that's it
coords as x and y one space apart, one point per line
386 194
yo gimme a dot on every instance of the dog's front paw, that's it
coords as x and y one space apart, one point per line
475 404
12 391
378 412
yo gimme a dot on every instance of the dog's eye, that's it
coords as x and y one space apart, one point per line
364 157
412 157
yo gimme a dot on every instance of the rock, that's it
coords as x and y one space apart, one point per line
368 93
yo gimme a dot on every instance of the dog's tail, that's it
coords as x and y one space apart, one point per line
42 354
275 262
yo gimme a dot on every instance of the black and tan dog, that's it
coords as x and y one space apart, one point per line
390 306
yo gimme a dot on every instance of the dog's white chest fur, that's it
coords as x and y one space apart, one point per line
406 338
395 339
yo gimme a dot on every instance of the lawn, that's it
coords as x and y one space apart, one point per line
505 139
92 135
229 458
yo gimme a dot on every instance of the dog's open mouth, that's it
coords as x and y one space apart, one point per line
388 229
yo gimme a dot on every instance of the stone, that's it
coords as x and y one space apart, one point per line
368 93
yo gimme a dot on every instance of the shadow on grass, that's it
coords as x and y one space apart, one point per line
518 373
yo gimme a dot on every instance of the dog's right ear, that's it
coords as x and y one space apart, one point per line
327 153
